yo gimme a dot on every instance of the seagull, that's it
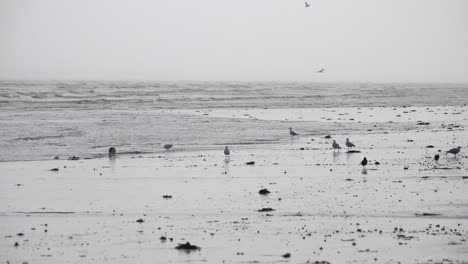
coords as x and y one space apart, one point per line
349 144
112 151
227 152
307 4
454 151
321 71
292 133
336 146
436 157
364 162
167 146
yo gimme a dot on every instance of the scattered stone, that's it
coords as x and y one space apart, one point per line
250 163
56 157
163 238
167 196
16 244
377 163
20 234
187 246
264 191
423 123
112 151
427 214
287 255
140 221
74 158
353 151
327 137
429 146
54 169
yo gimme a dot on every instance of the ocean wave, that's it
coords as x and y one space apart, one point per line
37 138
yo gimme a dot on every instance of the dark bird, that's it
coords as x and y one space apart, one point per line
227 152
112 151
436 157
349 144
364 162
167 146
454 151
307 4
336 146
321 71
292 133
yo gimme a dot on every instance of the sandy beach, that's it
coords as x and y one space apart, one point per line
325 206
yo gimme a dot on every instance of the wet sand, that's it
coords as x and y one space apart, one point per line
325 206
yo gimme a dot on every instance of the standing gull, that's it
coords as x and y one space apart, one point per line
336 146
292 133
454 151
227 152
364 162
349 144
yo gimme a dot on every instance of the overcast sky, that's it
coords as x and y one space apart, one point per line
355 40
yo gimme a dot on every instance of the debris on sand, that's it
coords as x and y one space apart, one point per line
140 221
376 163
427 214
429 146
74 158
56 157
163 238
250 163
327 137
187 246
353 151
20 234
54 169
16 244
268 209
287 255
264 191
423 123
167 196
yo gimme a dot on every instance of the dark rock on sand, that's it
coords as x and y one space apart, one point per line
187 246
167 196
353 151
16 244
54 169
376 163
163 238
268 209
287 255
264 191
429 146
74 158
250 163
56 157
327 137
140 221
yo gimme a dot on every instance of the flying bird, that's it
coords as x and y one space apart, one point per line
292 133
454 151
336 146
349 144
364 162
227 152
307 4
321 71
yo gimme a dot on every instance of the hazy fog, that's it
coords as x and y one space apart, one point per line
355 40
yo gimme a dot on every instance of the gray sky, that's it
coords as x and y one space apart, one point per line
355 40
